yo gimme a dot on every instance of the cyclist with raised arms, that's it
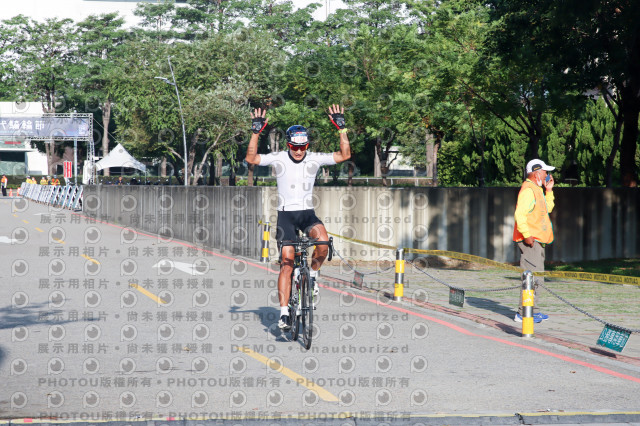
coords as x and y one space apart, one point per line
296 171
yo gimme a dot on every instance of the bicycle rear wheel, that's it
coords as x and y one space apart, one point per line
307 307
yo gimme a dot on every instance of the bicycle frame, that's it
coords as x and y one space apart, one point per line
301 294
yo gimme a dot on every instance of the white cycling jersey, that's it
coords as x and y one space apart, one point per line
296 180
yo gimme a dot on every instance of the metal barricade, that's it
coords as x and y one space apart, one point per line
68 197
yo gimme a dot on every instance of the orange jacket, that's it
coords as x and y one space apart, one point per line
538 220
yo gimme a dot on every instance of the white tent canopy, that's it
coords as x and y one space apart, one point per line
119 157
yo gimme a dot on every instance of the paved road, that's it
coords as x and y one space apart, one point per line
100 322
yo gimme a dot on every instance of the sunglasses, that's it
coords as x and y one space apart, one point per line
298 147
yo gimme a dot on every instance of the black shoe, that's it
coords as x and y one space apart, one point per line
284 323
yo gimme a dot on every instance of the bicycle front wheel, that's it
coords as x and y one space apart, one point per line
307 307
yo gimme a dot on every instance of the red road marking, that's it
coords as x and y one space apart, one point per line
495 339
399 309
174 241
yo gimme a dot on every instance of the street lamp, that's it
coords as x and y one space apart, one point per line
184 135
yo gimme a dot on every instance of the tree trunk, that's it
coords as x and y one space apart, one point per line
382 160
192 157
384 169
481 146
274 144
48 148
377 172
630 111
212 170
274 139
49 107
106 117
163 167
608 177
433 145
431 157
351 169
250 175
219 169
534 143
232 176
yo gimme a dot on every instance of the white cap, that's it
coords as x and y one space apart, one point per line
535 165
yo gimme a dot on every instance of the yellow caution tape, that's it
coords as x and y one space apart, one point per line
353 240
463 256
583 276
591 276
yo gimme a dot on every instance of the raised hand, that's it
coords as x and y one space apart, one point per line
336 115
258 120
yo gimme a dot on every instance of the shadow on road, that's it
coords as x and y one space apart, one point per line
38 314
35 314
490 305
267 315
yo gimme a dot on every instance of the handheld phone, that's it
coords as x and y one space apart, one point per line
548 178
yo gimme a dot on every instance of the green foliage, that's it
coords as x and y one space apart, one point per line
218 78
594 133
582 45
492 82
452 171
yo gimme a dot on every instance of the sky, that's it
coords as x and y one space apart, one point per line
80 9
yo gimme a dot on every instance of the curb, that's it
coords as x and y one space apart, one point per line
509 329
348 419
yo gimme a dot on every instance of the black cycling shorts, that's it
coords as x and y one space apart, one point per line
290 222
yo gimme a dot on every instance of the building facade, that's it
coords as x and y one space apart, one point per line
18 155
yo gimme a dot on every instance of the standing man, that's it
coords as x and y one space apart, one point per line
533 229
296 171
3 184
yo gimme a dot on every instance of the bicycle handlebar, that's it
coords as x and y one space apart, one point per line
304 243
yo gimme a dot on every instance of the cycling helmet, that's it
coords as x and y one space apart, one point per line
297 135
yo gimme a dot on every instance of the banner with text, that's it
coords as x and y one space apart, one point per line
44 127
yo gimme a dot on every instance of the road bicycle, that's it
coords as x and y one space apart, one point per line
301 304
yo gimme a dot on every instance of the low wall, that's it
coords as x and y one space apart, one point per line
224 218
589 223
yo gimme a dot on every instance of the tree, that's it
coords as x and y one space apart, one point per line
10 37
204 18
217 120
291 26
157 20
44 58
99 38
218 78
596 131
604 53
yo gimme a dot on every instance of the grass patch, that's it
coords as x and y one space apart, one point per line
628 267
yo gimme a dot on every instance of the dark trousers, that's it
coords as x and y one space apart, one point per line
4 191
532 259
